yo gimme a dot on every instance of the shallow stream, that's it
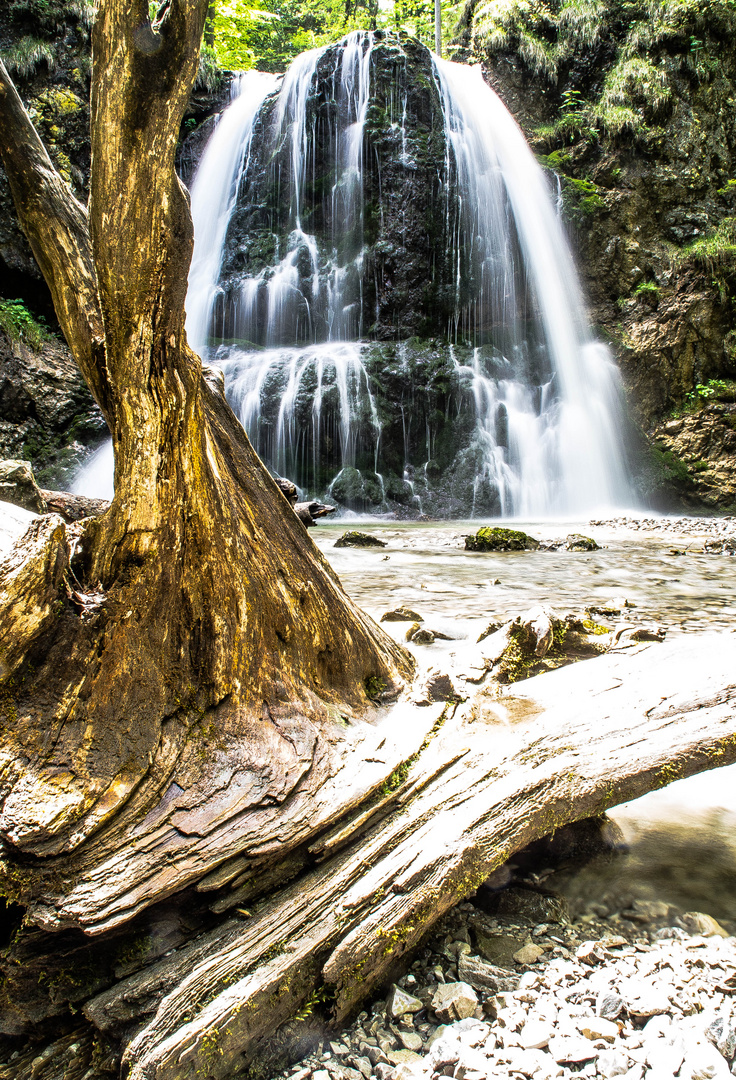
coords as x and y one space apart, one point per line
682 839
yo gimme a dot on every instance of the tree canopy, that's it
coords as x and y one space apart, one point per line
268 34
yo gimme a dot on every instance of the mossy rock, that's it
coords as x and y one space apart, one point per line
359 539
401 614
578 542
497 539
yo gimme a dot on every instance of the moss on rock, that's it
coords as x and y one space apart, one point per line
499 539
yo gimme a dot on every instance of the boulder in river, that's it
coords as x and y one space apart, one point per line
358 539
401 614
578 542
498 539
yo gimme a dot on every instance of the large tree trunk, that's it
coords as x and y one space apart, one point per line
217 627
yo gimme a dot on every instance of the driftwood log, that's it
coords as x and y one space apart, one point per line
320 898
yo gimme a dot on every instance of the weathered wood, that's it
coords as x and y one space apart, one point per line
497 775
309 512
73 507
31 577
56 225
204 636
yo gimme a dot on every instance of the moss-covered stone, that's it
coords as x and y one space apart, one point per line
358 539
578 542
498 539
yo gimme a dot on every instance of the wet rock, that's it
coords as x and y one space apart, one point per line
484 976
411 1040
454 1001
399 1003
722 1033
358 539
18 486
497 948
697 922
419 636
401 614
609 1005
578 542
497 539
436 686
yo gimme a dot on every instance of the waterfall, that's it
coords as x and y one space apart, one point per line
332 215
564 453
214 193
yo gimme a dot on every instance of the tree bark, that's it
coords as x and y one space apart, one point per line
188 695
219 627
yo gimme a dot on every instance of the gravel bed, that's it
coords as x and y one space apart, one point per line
715 530
526 992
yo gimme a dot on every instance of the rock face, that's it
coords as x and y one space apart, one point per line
47 414
699 450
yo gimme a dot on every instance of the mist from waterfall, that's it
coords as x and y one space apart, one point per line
292 336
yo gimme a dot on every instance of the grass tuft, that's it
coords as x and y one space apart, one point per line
27 55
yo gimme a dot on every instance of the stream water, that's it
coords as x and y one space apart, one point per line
682 838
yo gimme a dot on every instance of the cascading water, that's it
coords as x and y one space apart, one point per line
562 451
379 194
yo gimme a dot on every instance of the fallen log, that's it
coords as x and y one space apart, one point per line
486 777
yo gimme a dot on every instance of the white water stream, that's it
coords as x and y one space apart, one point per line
549 442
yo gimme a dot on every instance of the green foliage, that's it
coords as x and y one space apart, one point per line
524 26
26 55
661 39
587 196
633 91
53 15
268 34
647 288
668 467
720 389
715 251
20 326
209 72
